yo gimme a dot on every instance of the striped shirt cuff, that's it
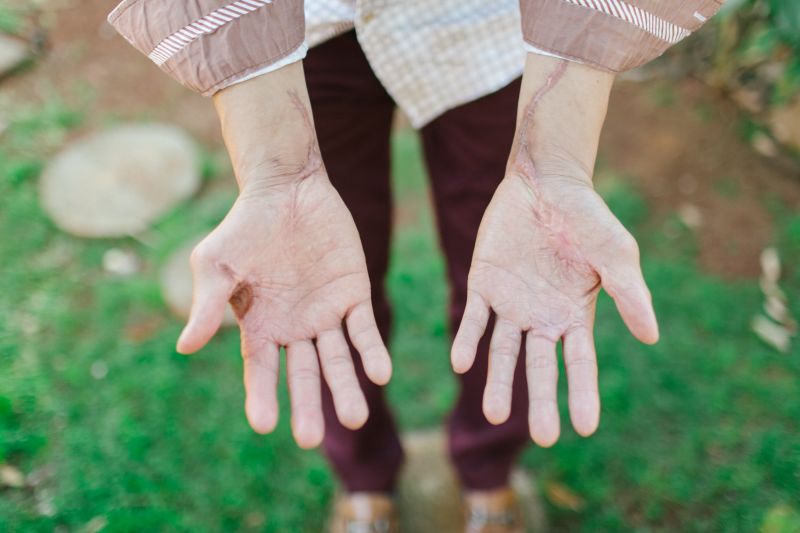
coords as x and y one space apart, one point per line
208 44
612 35
298 55
529 48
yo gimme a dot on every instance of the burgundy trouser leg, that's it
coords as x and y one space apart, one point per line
466 151
353 117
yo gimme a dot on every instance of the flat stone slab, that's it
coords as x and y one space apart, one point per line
429 496
176 284
118 181
13 52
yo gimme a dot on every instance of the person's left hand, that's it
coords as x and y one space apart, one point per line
545 247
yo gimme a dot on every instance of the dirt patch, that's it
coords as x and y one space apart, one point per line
85 58
682 144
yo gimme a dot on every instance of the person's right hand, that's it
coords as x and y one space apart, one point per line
289 259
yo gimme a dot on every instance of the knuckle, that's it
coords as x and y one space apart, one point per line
582 361
305 374
259 362
374 352
472 322
504 355
339 366
581 393
306 410
361 335
201 255
498 387
505 346
541 402
627 245
540 362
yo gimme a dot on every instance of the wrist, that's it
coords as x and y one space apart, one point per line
561 111
269 130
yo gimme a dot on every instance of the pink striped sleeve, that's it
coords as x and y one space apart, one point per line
613 35
209 44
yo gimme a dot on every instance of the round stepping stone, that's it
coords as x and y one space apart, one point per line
117 182
176 284
12 53
429 496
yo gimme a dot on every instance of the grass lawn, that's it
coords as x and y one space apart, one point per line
114 429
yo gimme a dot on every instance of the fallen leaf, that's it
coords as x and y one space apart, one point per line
143 328
770 264
749 99
255 519
771 289
11 476
690 215
776 309
99 370
563 497
785 124
96 524
780 518
121 262
773 334
764 145
44 503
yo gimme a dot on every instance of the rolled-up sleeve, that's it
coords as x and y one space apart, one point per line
209 44
613 35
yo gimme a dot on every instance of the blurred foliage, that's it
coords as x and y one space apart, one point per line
757 47
112 428
10 18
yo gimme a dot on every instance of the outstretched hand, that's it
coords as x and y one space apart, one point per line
289 260
292 266
546 245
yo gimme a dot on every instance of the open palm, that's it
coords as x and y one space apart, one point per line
544 249
292 266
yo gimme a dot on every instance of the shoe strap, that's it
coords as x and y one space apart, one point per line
379 525
479 518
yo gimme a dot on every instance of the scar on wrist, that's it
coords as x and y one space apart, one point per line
524 157
312 160
544 214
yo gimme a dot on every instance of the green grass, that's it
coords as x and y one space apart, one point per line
699 433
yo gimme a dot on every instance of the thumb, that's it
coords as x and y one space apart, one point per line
211 290
621 277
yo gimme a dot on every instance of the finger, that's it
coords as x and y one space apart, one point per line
541 367
581 363
261 365
366 338
211 290
302 369
470 332
624 282
340 374
503 353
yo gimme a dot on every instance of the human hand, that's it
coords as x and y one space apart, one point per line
546 245
289 259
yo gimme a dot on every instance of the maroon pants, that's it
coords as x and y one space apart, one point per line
466 150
